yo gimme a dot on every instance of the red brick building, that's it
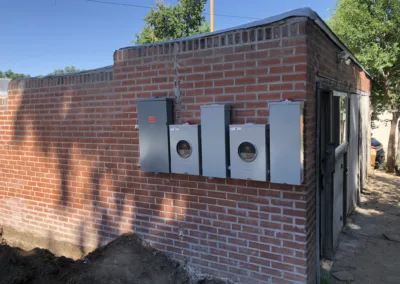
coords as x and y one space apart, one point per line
69 150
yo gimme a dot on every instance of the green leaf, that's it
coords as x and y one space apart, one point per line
67 69
371 30
11 75
170 22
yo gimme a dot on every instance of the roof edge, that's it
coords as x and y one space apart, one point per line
333 37
301 12
105 68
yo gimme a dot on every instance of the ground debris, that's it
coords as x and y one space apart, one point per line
392 237
2 240
125 260
368 248
343 275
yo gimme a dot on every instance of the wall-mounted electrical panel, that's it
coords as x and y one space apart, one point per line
154 117
248 151
185 149
286 142
215 121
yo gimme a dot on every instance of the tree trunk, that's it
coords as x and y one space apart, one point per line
397 166
391 151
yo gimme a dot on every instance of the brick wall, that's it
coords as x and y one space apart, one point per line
323 66
69 156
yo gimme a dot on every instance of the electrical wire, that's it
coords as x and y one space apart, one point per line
149 7
120 4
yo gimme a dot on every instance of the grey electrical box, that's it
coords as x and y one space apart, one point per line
248 151
154 117
185 149
215 121
286 142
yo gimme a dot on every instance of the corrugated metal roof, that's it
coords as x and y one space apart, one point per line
302 12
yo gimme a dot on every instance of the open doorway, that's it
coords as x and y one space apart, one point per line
333 164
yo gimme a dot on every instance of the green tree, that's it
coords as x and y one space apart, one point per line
67 69
11 75
170 22
371 30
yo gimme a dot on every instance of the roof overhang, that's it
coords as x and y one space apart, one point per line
302 12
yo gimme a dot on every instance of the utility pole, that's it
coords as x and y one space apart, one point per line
211 15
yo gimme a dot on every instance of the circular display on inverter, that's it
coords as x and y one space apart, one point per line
184 149
247 152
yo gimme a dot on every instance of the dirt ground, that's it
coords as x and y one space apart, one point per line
125 260
369 250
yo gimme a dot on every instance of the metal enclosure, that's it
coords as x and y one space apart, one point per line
248 151
185 149
215 121
286 142
154 117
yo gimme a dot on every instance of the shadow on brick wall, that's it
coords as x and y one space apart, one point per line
75 144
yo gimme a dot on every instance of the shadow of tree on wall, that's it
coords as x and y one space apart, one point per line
72 134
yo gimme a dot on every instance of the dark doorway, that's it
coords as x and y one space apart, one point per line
333 155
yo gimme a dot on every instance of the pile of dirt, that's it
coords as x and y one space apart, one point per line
125 260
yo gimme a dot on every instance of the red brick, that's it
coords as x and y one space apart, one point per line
294 213
272 241
282 219
234 73
238 256
280 87
246 97
234 57
204 99
84 132
269 79
294 77
295 261
282 266
271 271
294 277
256 88
216 194
221 99
282 251
293 245
256 104
295 59
245 81
280 69
260 261
234 89
269 96
269 62
223 82
259 246
282 203
283 235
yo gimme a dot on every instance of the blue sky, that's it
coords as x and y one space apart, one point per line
38 36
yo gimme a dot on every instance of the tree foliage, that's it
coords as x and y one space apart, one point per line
170 22
66 69
371 30
11 75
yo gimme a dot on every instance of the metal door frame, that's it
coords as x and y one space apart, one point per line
324 196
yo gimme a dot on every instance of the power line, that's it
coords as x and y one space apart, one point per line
232 16
120 4
150 7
